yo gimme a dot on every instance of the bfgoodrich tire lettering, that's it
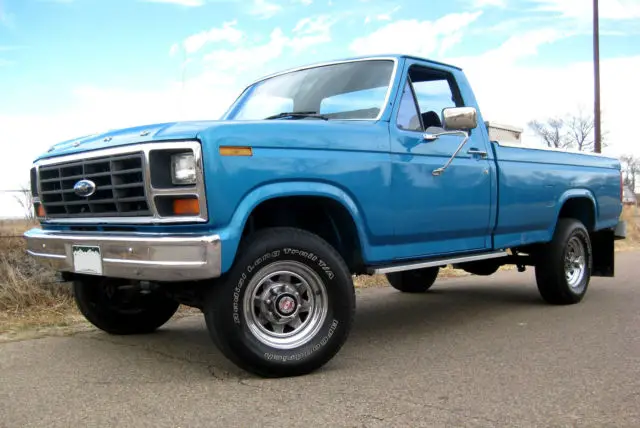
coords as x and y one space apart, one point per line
563 267
295 284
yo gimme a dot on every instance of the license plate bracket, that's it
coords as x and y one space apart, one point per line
87 259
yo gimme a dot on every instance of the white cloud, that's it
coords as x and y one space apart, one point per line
245 57
388 15
227 33
263 9
517 94
520 46
449 42
403 34
174 49
307 32
381 16
304 2
189 3
6 19
510 92
311 31
485 3
582 9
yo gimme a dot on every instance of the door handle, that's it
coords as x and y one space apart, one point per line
474 151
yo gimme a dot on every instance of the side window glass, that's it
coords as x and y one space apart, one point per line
408 118
433 95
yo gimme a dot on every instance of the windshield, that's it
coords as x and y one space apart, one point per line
349 90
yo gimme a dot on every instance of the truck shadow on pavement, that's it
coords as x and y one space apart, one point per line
385 320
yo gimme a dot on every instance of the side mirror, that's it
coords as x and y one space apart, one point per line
460 118
457 121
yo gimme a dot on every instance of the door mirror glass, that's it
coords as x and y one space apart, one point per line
460 118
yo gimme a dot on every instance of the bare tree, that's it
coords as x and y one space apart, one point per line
25 199
573 131
552 132
631 170
580 132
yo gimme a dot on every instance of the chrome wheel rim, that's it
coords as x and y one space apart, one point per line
285 304
575 262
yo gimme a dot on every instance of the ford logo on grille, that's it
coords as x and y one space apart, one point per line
84 188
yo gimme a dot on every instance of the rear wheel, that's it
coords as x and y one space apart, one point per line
563 267
285 308
116 307
413 281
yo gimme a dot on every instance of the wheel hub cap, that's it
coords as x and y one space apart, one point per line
575 262
285 304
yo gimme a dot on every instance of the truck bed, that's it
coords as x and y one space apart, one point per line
534 183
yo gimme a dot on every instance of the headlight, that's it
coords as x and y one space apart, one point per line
183 169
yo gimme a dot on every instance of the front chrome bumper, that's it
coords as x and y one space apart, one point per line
152 257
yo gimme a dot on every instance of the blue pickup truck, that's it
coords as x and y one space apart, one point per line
378 165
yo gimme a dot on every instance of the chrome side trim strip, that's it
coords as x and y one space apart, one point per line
153 263
436 262
151 192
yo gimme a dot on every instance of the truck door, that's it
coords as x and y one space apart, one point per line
442 214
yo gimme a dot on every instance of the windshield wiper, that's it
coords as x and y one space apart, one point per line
300 114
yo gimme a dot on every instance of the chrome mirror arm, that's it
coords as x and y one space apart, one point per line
433 137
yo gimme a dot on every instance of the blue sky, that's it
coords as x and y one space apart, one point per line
72 67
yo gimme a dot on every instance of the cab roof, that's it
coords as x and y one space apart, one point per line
395 56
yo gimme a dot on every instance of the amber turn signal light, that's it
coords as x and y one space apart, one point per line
235 151
40 210
186 207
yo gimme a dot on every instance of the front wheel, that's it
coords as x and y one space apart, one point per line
117 308
286 306
563 267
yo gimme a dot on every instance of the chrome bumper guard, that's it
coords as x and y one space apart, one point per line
151 257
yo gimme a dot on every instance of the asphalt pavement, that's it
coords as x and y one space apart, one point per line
472 352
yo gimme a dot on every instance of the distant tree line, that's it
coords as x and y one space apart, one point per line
576 132
631 170
572 131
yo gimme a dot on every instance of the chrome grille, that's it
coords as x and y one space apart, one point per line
120 187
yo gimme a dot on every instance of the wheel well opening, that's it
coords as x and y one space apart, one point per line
322 216
580 209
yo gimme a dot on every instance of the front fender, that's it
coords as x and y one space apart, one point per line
233 232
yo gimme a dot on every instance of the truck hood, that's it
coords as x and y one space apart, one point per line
121 137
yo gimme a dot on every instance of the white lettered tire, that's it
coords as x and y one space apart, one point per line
286 306
563 267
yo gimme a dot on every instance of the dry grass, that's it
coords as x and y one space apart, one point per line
29 295
31 300
630 214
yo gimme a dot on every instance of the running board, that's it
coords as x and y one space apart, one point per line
435 262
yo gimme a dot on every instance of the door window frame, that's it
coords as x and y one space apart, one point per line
406 82
406 78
